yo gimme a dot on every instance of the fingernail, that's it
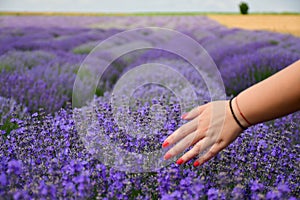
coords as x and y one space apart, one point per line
167 156
184 115
165 144
196 164
179 161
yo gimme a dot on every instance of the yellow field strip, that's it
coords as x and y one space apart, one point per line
289 24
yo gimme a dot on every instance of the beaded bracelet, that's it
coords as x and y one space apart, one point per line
237 121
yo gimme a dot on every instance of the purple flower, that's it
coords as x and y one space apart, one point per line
14 167
3 179
176 195
256 186
21 194
283 188
213 193
238 192
273 195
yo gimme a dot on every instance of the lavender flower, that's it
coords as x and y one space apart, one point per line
41 152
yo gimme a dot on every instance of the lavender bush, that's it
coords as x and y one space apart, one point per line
42 155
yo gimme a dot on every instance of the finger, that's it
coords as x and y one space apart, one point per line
195 151
193 113
180 146
180 133
213 151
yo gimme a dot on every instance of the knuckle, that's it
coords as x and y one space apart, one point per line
199 135
172 152
194 141
175 150
181 130
191 154
197 148
201 130
206 159
198 131
170 139
205 130
199 109
221 143
202 160
212 153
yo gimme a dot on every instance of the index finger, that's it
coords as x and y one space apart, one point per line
181 132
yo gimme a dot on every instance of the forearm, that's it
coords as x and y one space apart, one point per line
271 98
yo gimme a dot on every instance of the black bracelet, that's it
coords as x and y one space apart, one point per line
237 121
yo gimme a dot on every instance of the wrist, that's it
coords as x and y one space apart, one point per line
231 120
236 115
241 117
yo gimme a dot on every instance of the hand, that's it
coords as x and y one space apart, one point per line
212 127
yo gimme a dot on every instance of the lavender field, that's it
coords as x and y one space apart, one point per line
42 155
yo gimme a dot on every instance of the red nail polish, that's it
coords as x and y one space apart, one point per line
196 164
167 156
179 161
165 144
184 116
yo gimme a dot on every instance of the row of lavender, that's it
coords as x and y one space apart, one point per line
42 60
43 157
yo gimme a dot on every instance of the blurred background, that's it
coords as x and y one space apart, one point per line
126 6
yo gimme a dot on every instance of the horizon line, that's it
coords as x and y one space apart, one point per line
70 13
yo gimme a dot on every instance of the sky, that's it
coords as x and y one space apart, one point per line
125 6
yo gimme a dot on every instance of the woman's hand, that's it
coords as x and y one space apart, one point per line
212 127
